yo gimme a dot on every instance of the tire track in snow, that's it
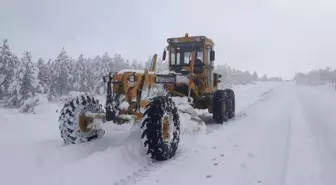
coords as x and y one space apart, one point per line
319 114
287 152
144 171
302 165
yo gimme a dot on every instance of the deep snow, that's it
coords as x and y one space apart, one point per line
283 134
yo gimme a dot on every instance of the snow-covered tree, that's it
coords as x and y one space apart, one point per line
264 78
80 67
316 76
7 63
118 63
255 76
24 79
106 61
140 65
25 83
134 64
44 75
61 75
148 63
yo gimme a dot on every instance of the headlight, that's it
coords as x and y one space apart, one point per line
165 79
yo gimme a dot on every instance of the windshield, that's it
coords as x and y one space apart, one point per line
180 54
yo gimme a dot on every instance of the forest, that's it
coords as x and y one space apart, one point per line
316 77
23 79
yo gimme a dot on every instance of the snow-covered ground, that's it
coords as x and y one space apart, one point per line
283 134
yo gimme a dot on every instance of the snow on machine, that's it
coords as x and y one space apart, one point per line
131 98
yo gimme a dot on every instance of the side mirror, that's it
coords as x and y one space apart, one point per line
106 79
164 55
212 55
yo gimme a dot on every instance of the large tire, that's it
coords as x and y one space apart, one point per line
152 134
69 120
231 102
220 113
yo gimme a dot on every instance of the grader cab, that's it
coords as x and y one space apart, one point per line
192 60
131 98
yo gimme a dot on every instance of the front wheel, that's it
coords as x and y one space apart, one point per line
160 129
73 124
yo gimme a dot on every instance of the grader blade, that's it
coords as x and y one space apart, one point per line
183 106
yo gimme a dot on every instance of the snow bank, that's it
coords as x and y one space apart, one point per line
29 104
72 95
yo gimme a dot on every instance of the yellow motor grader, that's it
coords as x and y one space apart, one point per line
131 97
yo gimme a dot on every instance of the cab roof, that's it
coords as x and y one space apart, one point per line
187 39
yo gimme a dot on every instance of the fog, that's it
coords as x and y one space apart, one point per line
275 37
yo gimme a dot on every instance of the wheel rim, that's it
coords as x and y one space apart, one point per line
167 123
84 122
224 107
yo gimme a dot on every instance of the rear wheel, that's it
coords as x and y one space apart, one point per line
220 113
161 128
73 124
231 102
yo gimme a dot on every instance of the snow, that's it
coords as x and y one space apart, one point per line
140 71
30 103
2 78
125 116
124 105
283 134
131 70
70 96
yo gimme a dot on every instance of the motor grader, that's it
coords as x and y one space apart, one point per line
130 98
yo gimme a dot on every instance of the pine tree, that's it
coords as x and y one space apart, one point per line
103 69
140 66
134 64
118 63
106 61
61 75
89 74
148 63
25 83
264 78
79 66
255 76
43 75
96 74
7 64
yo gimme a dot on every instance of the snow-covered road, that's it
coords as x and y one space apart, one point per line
283 135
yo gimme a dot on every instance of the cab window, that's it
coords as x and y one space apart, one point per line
181 54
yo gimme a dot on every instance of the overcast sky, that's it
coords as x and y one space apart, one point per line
276 37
